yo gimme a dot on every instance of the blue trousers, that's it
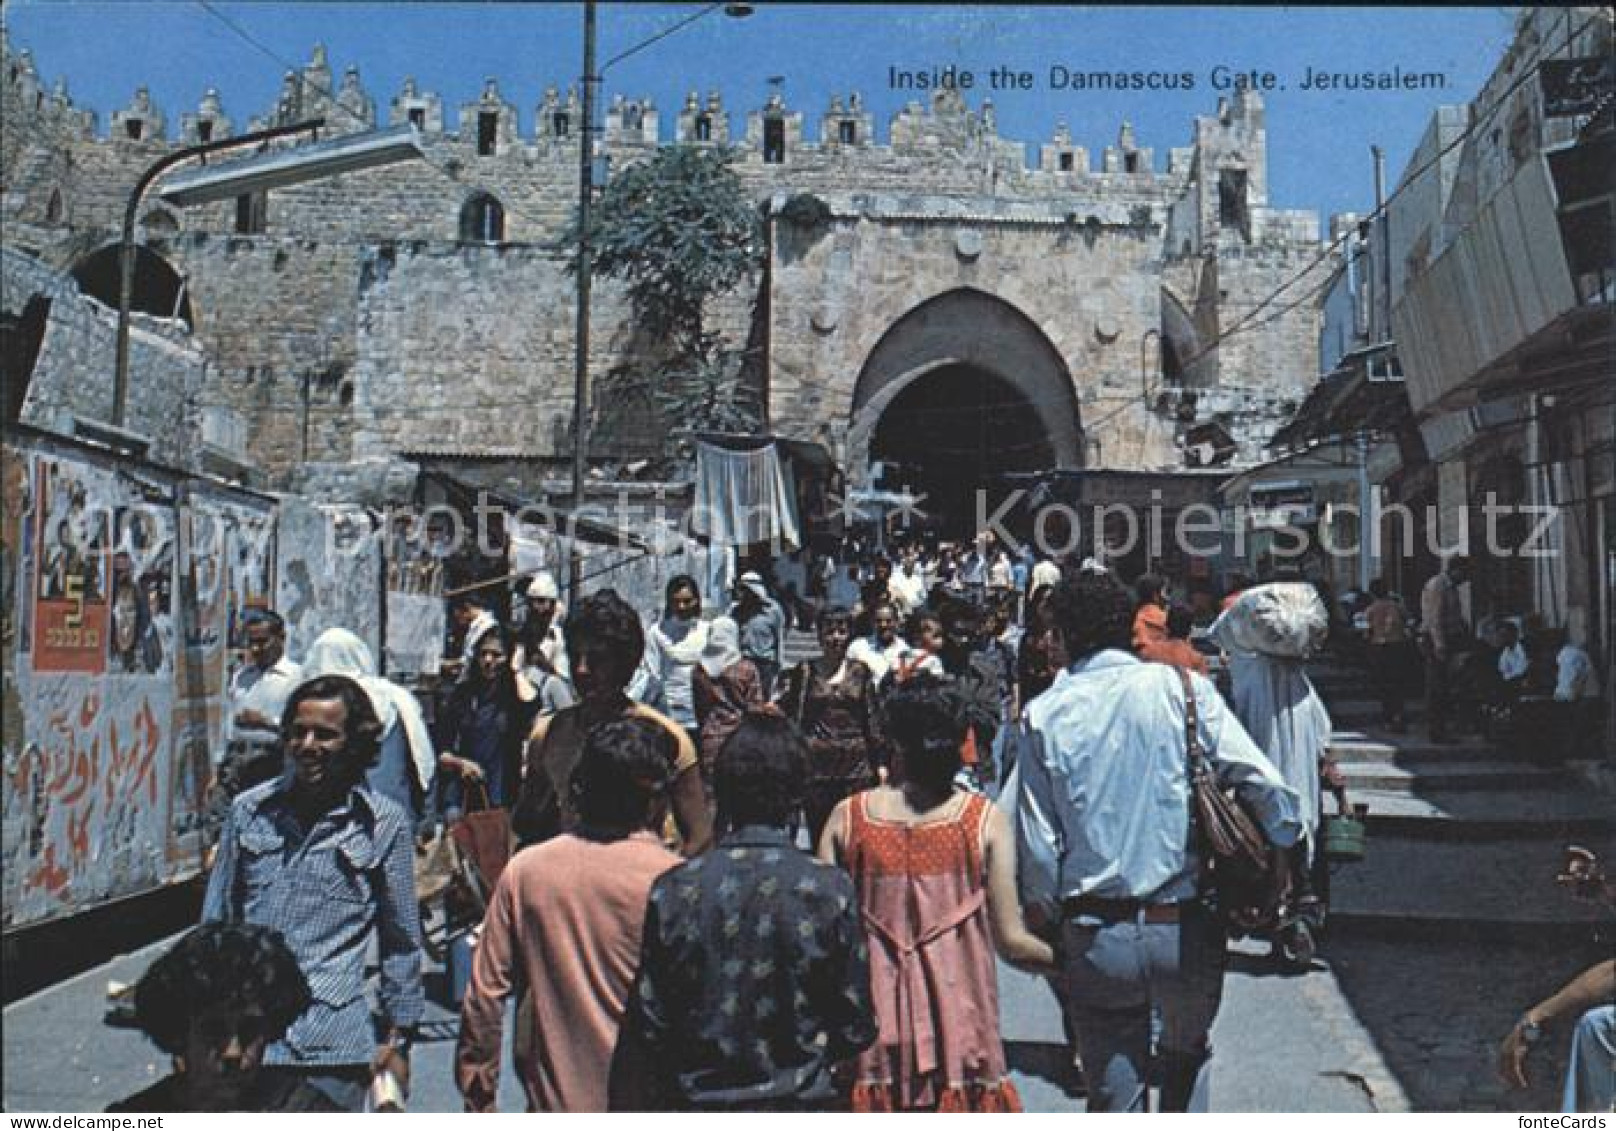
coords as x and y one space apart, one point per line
1114 974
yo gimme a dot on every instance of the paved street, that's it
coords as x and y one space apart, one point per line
1440 938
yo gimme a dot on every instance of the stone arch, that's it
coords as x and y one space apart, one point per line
973 329
159 291
959 391
482 219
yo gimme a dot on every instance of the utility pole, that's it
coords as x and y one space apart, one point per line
580 373
1384 282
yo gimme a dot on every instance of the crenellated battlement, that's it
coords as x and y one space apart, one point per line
771 134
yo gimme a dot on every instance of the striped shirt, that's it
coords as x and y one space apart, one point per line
326 890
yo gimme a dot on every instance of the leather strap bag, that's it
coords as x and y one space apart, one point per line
1241 873
483 837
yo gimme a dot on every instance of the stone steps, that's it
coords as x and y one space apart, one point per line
1420 776
1559 812
1508 882
1364 746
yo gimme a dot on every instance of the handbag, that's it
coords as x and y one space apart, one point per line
483 836
435 868
1242 876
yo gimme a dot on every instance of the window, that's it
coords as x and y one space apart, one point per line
252 213
704 128
53 208
204 131
487 132
560 124
418 118
1067 162
1232 198
774 141
482 220
1130 162
848 132
133 127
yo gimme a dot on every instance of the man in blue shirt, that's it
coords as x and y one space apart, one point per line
319 856
1103 837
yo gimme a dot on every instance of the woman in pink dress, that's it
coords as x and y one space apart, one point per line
935 870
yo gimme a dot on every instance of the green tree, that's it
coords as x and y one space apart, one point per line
679 229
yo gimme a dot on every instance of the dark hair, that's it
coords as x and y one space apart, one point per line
235 966
1148 587
363 737
274 620
926 722
1093 612
1378 588
623 770
604 623
1179 621
505 680
760 771
836 613
675 584
912 623
959 612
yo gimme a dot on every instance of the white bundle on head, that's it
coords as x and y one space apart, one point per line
1285 619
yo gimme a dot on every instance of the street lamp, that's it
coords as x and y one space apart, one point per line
586 189
258 173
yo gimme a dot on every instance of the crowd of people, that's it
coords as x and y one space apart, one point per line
744 884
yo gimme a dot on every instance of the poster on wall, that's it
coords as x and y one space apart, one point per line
16 550
250 564
200 661
71 588
191 770
141 637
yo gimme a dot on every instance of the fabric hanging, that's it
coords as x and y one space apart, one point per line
744 497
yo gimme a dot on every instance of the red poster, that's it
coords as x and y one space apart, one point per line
70 591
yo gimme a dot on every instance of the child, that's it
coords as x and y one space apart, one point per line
935 871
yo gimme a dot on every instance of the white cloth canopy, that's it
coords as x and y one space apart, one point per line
744 497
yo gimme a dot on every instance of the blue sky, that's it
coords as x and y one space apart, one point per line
1318 140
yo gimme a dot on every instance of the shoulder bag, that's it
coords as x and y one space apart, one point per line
1242 875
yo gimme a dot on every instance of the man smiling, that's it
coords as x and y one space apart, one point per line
320 857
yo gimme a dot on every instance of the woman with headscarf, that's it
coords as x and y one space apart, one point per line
482 730
725 685
406 765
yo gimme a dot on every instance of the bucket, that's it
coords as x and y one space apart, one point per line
1343 834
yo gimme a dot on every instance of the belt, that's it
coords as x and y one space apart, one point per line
1117 910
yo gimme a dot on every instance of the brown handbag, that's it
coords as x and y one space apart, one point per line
1242 876
483 837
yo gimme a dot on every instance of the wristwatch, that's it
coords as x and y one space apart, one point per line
1531 1031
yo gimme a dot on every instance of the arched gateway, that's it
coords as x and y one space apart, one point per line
962 388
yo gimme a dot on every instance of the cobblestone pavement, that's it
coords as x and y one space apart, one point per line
1437 1009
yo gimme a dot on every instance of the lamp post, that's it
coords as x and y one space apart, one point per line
126 249
259 173
586 188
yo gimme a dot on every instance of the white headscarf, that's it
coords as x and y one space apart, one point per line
336 651
723 648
